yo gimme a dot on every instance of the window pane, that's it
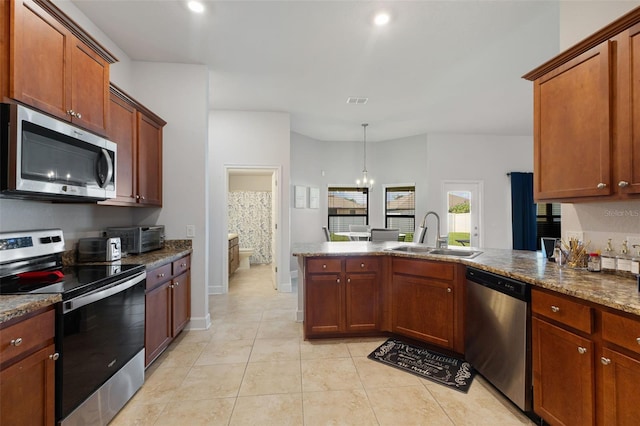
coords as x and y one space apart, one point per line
400 208
347 206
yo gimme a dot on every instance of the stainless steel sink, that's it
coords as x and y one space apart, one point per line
454 252
412 249
469 254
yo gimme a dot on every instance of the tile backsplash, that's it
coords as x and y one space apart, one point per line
598 222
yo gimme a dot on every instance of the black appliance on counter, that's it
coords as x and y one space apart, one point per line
99 324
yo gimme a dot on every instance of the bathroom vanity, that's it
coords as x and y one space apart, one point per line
234 253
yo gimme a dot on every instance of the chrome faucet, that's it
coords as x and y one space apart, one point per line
440 241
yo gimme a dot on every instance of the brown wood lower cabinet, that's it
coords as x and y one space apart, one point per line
27 373
586 362
167 305
427 302
342 296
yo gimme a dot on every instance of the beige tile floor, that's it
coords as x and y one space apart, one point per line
252 367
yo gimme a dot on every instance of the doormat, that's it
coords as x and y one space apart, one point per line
446 370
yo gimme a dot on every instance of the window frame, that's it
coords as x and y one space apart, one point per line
398 188
347 188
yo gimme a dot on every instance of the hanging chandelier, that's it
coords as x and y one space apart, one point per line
364 182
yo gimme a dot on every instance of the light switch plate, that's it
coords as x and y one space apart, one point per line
576 235
191 231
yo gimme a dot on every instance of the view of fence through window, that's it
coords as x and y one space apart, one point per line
459 217
400 209
347 206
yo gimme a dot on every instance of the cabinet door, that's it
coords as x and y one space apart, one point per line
40 48
563 375
27 391
423 309
89 88
362 302
572 128
620 378
149 161
181 302
628 111
122 131
157 321
324 306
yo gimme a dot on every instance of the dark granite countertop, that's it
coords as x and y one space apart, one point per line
13 306
611 290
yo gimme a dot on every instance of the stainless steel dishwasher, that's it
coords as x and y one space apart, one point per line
498 333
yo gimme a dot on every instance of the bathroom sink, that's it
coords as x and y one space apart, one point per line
437 251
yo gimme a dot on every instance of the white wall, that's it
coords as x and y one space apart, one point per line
184 107
423 160
597 221
242 138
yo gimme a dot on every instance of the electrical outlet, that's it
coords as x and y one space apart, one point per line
576 235
191 231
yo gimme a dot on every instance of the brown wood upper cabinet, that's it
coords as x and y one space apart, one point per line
138 134
55 66
586 126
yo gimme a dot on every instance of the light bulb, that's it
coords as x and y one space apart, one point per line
381 19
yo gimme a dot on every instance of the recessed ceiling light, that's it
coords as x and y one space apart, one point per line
381 19
195 6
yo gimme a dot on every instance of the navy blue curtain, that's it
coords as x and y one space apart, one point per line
523 212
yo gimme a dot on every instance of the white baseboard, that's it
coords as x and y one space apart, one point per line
200 323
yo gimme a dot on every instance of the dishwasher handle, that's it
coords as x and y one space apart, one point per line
514 288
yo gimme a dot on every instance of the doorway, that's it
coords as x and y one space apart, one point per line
252 199
463 203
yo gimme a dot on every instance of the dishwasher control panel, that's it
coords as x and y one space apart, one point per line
514 288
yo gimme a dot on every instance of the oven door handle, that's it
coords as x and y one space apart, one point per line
103 293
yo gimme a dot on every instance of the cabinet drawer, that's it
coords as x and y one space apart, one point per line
181 265
27 335
363 264
558 308
320 265
622 331
425 268
158 275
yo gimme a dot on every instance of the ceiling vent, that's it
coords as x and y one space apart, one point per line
357 101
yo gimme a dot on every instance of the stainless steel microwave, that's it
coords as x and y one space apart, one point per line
46 158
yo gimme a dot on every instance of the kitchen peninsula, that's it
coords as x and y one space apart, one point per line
584 327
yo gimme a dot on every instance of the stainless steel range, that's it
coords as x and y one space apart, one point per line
99 324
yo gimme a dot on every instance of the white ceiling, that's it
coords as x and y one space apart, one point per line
438 67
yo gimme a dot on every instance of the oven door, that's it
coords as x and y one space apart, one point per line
101 332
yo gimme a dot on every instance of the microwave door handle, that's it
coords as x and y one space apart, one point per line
109 160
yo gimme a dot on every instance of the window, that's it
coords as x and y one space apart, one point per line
347 206
400 209
548 220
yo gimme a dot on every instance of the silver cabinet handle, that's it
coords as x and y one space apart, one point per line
638 340
184 265
338 280
78 115
137 197
348 280
16 342
362 265
602 185
448 289
582 350
623 184
605 361
177 284
54 356
324 266
555 309
160 275
71 112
